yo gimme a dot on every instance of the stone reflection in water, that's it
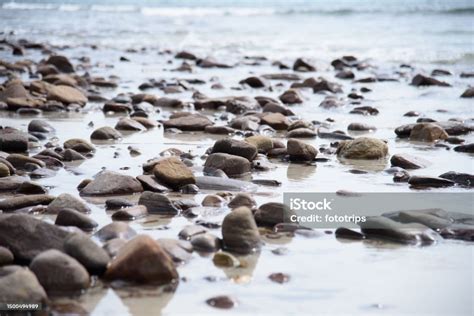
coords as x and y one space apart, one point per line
243 273
376 165
299 171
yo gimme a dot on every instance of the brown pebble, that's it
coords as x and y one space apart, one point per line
224 302
279 277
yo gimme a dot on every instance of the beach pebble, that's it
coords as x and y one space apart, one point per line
273 107
407 161
273 213
347 233
29 187
71 217
469 93
79 145
190 231
279 277
362 148
20 284
239 231
420 80
225 259
427 132
213 200
180 251
66 200
24 201
59 273
301 133
87 252
142 260
111 183
6 256
429 182
460 178
205 242
173 173
61 63
40 126
277 121
106 133
222 302
130 213
232 165
66 95
242 199
291 96
149 183
360 127
157 203
19 161
300 151
191 122
468 148
235 147
303 65
115 230
254 82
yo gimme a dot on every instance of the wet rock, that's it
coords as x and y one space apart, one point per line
11 183
149 183
385 228
469 93
6 257
115 107
239 231
330 102
411 114
300 151
130 213
4 170
362 148
225 259
347 233
115 230
262 143
430 218
142 260
345 74
66 200
106 133
220 130
279 277
440 72
185 55
24 201
407 161
232 165
277 108
303 66
360 127
282 76
72 155
19 161
276 120
464 179
27 236
19 284
127 124
192 122
145 122
420 80
28 187
173 173
66 95
89 254
180 251
429 182
301 133
157 203
468 148
71 217
273 213
291 96
222 302
40 126
254 82
79 145
324 85
427 132
235 147
206 243
116 203
364 110
213 200
209 62
59 273
190 231
242 199
112 183
61 63
401 176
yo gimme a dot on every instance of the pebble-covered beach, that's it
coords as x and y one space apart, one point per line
147 178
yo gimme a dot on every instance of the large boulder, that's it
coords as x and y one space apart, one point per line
362 148
59 273
232 165
239 231
112 183
235 147
19 284
173 173
27 236
142 260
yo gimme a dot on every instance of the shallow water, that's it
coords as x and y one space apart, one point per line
328 276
